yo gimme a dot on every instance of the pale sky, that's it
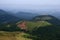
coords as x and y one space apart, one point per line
30 4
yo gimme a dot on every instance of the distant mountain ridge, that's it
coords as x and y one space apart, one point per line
5 17
25 15
56 14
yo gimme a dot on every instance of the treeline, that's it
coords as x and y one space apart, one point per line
9 27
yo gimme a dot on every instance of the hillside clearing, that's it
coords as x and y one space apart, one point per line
31 25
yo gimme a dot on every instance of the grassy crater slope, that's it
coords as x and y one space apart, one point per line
32 25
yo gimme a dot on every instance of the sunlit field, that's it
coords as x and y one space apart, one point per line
13 36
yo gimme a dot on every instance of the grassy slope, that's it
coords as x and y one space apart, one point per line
12 36
20 35
44 30
31 25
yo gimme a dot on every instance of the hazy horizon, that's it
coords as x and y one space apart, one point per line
30 5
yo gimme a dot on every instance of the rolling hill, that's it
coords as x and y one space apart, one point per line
44 27
6 17
49 18
41 27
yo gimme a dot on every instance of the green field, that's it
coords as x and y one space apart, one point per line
32 25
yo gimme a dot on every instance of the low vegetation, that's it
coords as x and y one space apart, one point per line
36 30
32 25
13 36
